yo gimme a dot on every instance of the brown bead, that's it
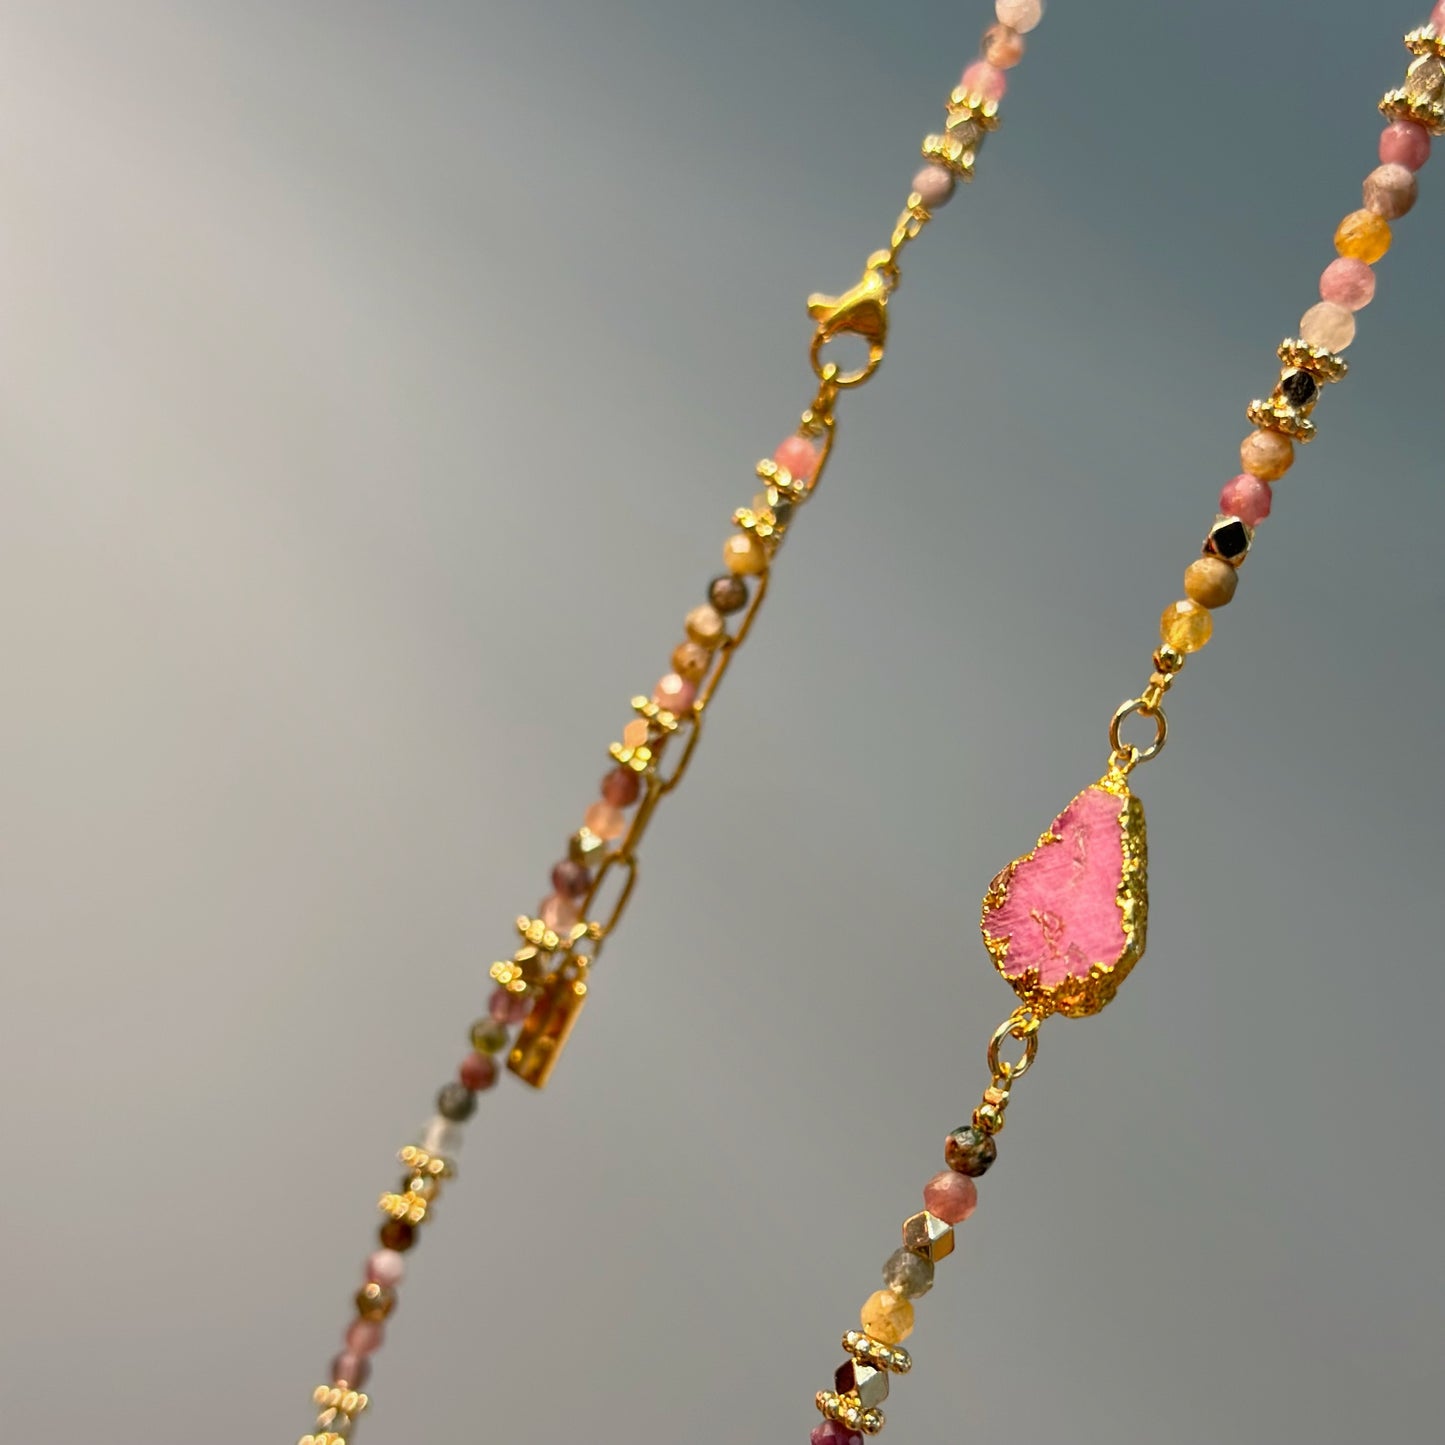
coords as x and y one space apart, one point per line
1210 582
705 626
397 1234
744 555
1267 455
690 661
620 788
728 594
375 1301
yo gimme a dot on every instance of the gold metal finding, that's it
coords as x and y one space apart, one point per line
861 311
833 1406
1124 758
544 1034
893 1358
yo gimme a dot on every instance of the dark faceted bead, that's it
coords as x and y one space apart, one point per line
1229 538
1300 388
374 1301
456 1102
970 1151
728 593
397 1234
571 879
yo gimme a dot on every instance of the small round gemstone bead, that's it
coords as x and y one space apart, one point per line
968 1150
934 185
907 1274
456 1102
674 692
605 820
1022 15
375 1301
397 1234
1186 626
1403 143
350 1369
1328 325
1348 283
1003 46
986 80
728 594
442 1138
799 456
1210 581
386 1267
636 733
1247 498
479 1071
887 1318
507 1007
745 556
365 1337
833 1432
952 1197
557 912
1267 455
571 879
1391 191
620 788
489 1036
705 626
1363 236
691 660
1437 17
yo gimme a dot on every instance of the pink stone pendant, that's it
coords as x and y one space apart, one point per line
1066 923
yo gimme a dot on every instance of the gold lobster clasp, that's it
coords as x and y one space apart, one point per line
861 311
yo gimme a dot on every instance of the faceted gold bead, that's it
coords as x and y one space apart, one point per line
1186 625
374 1301
886 1317
744 555
928 1235
864 1382
1210 582
586 847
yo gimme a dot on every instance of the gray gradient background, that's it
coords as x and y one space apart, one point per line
379 379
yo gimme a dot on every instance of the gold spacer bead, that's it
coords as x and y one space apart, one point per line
893 1358
1169 660
989 1118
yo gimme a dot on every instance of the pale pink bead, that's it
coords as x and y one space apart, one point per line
1391 191
1329 325
607 821
799 456
951 1196
1247 498
558 913
365 1337
1003 46
934 185
674 693
1437 17
1403 143
1348 283
386 1267
986 80
1023 15
508 1008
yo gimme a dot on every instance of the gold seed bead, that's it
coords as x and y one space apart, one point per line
1186 625
1267 455
887 1317
744 555
1210 582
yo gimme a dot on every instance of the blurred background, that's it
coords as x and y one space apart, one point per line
380 379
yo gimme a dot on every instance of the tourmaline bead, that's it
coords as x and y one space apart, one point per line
833 1432
968 1150
690 661
908 1274
479 1071
1003 46
489 1036
375 1301
1363 236
1210 581
1022 15
745 556
728 594
1328 325
571 879
986 80
605 820
456 1102
1403 143
1267 455
1437 17
397 1234
442 1137
799 456
507 1007
674 692
934 185
705 626
350 1369
636 733
365 1337
557 912
1185 625
1348 283
620 788
385 1266
1247 498
887 1317
1391 191
952 1197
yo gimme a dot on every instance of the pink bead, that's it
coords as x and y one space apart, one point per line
557 912
1348 283
478 1072
833 1432
1003 46
952 1197
1247 498
1403 143
986 80
386 1267
1023 15
605 820
799 456
934 185
355 1370
674 693
365 1337
508 1008
1437 17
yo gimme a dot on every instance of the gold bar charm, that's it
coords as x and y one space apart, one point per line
548 1027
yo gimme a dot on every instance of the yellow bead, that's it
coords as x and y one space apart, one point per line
1363 236
887 1318
1186 625
744 555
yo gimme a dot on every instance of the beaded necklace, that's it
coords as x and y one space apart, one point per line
1065 923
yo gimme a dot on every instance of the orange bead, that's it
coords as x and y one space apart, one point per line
1363 236
887 1318
744 555
1186 626
1267 455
